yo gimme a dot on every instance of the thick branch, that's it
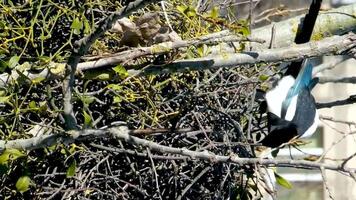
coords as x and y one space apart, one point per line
123 133
164 47
330 46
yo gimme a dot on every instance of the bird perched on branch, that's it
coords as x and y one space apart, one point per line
291 107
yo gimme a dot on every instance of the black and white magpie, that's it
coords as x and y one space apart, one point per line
291 107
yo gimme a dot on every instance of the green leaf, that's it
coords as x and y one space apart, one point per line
32 105
77 25
121 71
14 60
214 13
86 26
45 59
117 99
5 99
3 65
182 8
71 169
98 75
263 77
10 154
38 80
282 181
23 184
87 99
87 119
43 106
190 12
115 87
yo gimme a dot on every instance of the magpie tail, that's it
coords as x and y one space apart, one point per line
304 34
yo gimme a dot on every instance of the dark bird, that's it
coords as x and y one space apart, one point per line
291 107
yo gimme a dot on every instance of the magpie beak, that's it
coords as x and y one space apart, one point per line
291 108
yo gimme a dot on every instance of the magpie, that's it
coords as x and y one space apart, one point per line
291 107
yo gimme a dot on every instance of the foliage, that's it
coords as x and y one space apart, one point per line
38 35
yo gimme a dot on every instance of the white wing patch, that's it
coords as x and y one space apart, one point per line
291 108
276 96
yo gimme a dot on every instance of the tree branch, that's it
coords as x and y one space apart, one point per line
335 45
123 133
350 100
164 47
330 79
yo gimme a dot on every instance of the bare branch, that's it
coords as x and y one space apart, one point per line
164 47
350 100
335 45
330 79
329 65
123 133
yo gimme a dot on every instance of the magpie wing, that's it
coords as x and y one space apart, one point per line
305 111
304 79
279 131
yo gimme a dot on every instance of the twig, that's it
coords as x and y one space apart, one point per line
166 15
135 153
154 172
350 100
343 164
330 79
323 174
328 118
193 181
330 64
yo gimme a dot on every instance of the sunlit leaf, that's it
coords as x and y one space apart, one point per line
38 80
263 77
98 75
71 169
32 105
87 119
23 184
5 99
121 71
214 13
87 99
282 181
14 60
117 99
115 87
10 154
77 25
86 26
181 8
